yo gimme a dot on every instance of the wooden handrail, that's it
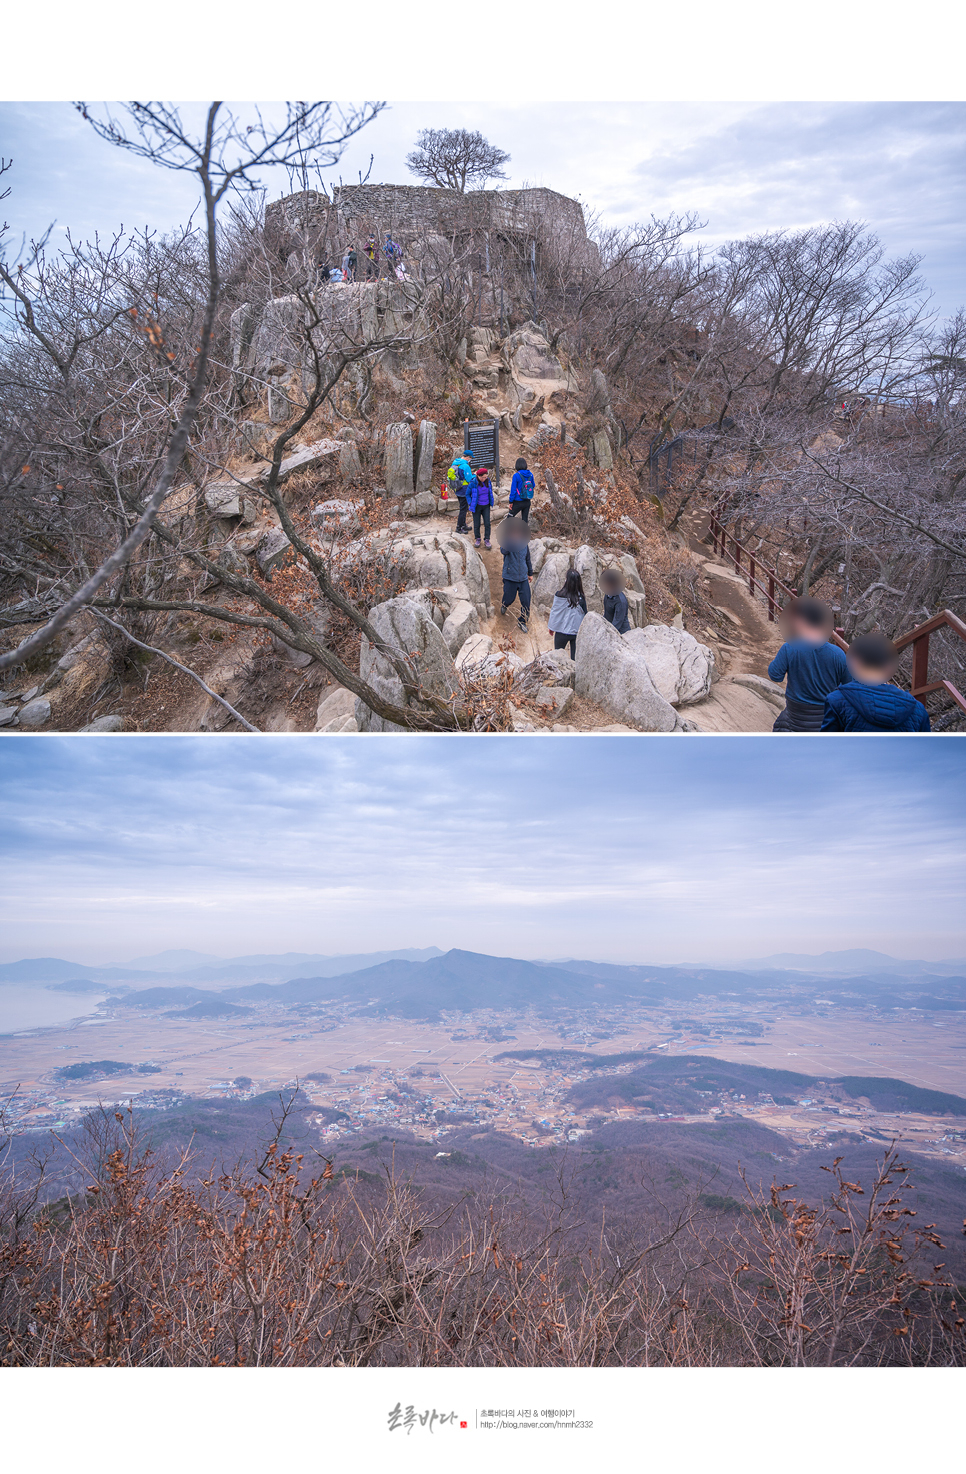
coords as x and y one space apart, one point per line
920 685
918 638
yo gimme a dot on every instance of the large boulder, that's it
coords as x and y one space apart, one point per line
350 462
336 705
431 560
550 668
112 723
399 461
228 499
680 668
474 652
636 608
323 456
553 571
425 450
421 505
600 450
404 624
540 547
272 551
35 713
337 512
615 675
587 563
555 700
459 624
531 356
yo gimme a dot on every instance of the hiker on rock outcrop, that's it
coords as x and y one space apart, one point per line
460 478
814 666
480 499
517 572
394 257
868 702
568 609
615 601
372 257
349 263
521 490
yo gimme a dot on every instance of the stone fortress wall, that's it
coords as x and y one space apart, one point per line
411 213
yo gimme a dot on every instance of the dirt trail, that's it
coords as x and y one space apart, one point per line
744 641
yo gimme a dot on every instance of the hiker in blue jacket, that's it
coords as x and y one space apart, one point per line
813 665
521 490
868 702
480 499
460 477
517 571
615 601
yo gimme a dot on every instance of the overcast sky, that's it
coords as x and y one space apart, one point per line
744 167
643 850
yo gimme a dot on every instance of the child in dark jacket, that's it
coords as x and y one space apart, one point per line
517 572
813 665
615 601
521 490
480 499
867 702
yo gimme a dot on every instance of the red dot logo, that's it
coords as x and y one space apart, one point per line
464 1425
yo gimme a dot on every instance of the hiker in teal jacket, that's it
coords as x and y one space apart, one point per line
461 477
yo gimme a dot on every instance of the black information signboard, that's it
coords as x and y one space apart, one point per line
481 445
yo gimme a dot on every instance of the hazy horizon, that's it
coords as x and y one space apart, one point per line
711 961
652 851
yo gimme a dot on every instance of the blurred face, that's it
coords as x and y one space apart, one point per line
866 673
803 631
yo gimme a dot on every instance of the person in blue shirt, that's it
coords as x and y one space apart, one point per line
521 490
869 702
479 499
812 664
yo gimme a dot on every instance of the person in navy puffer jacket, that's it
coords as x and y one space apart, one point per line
868 703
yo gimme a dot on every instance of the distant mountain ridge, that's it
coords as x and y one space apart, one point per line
465 982
268 967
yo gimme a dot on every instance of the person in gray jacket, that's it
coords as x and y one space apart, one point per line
517 570
568 609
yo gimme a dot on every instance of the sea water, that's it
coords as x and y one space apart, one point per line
39 1008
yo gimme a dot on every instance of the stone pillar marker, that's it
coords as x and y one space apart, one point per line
425 450
399 461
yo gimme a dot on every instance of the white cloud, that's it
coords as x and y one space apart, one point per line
645 848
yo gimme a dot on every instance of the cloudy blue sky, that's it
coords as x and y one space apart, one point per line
743 166
636 850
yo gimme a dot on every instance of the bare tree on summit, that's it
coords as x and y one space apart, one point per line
453 158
